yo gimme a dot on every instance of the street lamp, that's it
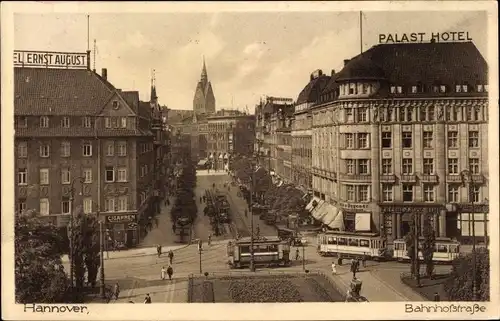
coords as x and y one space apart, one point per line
102 290
466 176
252 256
71 201
200 250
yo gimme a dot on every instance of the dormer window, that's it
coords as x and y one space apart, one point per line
458 88
414 89
461 88
44 122
22 122
87 122
107 122
116 105
442 89
435 89
479 88
65 122
485 88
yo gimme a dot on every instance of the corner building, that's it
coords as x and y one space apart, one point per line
394 134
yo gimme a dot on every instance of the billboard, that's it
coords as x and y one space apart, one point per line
50 59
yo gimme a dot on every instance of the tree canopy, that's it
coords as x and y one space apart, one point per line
39 273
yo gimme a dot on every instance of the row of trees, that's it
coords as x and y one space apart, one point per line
459 283
185 203
39 272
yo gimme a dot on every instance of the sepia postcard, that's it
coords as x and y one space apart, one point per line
250 160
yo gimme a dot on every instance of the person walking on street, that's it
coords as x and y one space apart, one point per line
171 256
209 239
297 254
168 202
353 268
170 272
163 272
364 261
158 249
147 299
116 290
334 268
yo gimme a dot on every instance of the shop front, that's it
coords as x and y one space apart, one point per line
397 219
468 220
357 216
145 216
122 230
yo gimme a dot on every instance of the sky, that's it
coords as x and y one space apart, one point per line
248 54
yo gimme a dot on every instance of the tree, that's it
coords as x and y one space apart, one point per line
459 287
92 247
39 273
285 199
411 241
428 246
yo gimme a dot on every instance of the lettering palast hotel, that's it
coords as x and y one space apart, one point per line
401 129
73 128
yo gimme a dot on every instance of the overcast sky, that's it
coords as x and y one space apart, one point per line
248 55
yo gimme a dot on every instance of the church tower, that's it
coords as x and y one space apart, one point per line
204 99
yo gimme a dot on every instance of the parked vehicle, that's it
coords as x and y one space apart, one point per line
268 251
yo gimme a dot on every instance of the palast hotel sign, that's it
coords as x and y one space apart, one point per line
450 36
50 59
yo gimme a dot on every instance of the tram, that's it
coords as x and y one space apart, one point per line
347 245
268 251
446 250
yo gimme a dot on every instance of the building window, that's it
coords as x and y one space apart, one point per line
474 166
414 89
44 122
442 89
363 193
386 166
349 115
87 175
66 206
452 139
452 166
110 174
87 149
22 122
109 204
386 139
22 176
362 114
407 166
428 193
122 174
44 206
65 176
458 88
122 148
453 193
473 139
44 151
123 122
349 140
87 205
22 150
465 88
407 193
362 140
65 122
44 176
427 139
387 193
110 148
107 122
350 166
87 122
122 203
407 139
65 149
351 194
21 205
474 194
363 167
428 166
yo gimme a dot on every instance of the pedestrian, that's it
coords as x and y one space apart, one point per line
158 250
173 227
200 200
117 290
171 256
257 231
163 271
353 268
297 254
334 268
165 201
168 202
147 299
170 272
209 239
364 261
156 222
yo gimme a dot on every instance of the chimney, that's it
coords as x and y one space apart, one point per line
312 77
104 73
320 73
346 61
333 72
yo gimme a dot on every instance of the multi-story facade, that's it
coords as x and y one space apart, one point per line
230 133
82 142
301 129
399 133
284 143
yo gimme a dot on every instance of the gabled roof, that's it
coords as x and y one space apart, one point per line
447 63
313 89
177 115
44 91
144 109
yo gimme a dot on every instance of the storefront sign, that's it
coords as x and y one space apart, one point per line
50 59
452 36
411 209
353 206
124 218
473 208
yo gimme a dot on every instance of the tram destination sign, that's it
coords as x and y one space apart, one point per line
48 59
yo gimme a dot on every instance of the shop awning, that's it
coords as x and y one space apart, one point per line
220 156
211 156
202 162
322 212
338 222
309 206
363 222
225 156
316 209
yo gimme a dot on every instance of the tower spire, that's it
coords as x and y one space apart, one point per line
153 86
204 75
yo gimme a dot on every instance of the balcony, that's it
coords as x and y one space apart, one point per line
356 177
407 178
478 179
454 179
388 178
429 178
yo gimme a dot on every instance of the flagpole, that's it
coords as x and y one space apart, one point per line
361 31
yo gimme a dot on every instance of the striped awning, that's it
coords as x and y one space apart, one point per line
309 206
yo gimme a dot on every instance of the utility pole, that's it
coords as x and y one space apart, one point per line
417 258
303 257
200 259
252 257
